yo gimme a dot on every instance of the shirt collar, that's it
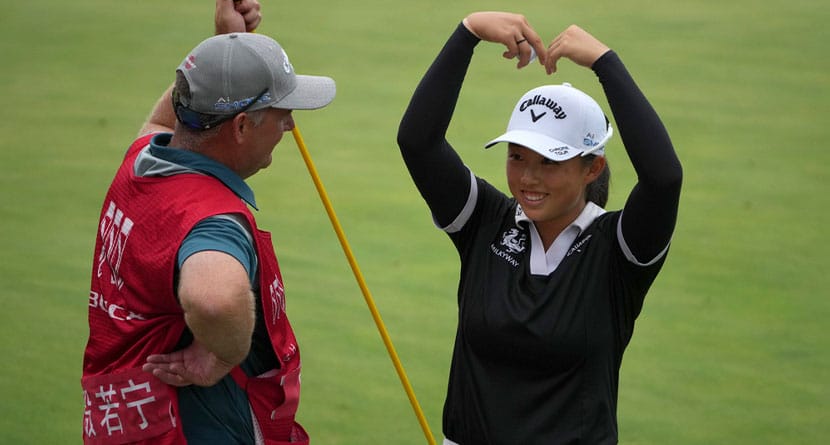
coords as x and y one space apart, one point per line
545 262
588 215
188 160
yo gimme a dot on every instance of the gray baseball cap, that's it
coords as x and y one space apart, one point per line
231 73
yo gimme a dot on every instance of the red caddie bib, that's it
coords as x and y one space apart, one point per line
133 311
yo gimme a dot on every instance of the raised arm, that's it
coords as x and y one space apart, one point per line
650 213
230 16
435 167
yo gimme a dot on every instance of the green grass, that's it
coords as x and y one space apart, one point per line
732 343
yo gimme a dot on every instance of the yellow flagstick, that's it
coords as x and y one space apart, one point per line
362 283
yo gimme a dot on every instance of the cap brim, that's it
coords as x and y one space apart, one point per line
311 93
548 147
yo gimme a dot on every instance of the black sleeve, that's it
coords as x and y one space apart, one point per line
439 173
650 213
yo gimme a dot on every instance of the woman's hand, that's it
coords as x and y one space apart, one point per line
511 30
576 44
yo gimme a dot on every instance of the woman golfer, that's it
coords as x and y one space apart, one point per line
551 283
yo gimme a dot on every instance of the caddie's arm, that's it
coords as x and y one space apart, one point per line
219 309
231 16
219 306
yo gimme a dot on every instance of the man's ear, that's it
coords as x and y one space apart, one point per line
241 126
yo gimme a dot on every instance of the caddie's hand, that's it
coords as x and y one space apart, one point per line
511 30
237 16
193 365
576 44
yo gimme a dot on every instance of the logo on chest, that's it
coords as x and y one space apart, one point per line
577 248
513 242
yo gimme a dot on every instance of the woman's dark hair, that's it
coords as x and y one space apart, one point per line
597 191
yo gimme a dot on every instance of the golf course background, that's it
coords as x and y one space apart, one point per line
732 344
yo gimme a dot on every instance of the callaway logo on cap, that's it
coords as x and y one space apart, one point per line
559 122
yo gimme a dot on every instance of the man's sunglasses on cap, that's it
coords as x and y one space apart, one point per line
202 121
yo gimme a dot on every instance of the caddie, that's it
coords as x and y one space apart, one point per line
188 336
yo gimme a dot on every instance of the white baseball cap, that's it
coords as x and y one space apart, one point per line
231 73
559 122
